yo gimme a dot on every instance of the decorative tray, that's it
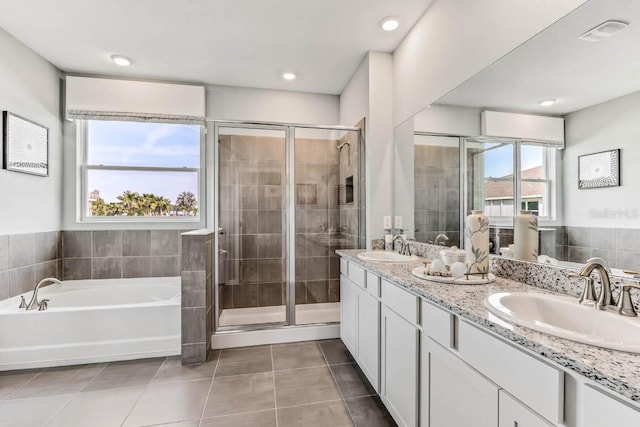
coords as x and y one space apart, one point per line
420 273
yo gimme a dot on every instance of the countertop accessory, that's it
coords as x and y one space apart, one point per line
467 279
476 234
453 255
525 237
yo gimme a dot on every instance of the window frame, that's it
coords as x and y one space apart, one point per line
82 137
550 165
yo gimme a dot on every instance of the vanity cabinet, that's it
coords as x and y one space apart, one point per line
360 320
400 367
433 368
601 409
454 394
512 413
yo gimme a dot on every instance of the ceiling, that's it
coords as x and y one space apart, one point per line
555 64
228 42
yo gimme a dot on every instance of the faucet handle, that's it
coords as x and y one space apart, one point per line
625 305
589 293
43 305
23 303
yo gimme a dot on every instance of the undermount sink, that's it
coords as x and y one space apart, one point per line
384 256
564 317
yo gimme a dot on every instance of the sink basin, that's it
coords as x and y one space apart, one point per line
384 256
562 316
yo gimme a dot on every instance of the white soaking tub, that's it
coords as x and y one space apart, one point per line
91 321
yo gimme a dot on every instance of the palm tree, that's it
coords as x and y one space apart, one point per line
99 207
162 205
148 203
186 201
131 202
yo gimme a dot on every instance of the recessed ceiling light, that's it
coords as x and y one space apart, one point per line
289 76
603 31
548 102
390 23
120 60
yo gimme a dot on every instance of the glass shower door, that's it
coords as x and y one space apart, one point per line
252 219
327 217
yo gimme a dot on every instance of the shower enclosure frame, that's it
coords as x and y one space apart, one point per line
289 207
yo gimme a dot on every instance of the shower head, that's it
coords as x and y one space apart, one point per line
339 147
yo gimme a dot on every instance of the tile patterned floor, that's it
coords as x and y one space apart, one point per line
313 383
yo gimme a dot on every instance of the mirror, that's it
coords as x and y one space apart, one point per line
593 86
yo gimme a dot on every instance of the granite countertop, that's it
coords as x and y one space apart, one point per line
616 370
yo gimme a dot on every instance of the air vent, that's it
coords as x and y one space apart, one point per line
603 31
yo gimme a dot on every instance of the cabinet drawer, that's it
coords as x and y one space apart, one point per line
512 413
358 275
373 284
532 381
437 323
400 300
601 409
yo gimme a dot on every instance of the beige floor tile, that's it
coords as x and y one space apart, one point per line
249 419
333 414
54 381
169 403
351 380
297 355
238 361
129 373
97 408
31 412
303 386
335 351
240 393
11 381
172 370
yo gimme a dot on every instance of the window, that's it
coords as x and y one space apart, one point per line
496 168
140 171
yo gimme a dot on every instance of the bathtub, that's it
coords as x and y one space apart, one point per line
91 321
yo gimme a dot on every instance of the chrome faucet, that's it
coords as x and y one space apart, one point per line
404 248
34 303
441 239
605 299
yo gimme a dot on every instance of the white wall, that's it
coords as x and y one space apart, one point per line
30 87
368 94
379 143
237 103
455 39
354 99
606 126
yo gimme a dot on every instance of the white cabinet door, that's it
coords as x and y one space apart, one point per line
400 381
599 409
368 337
514 414
457 395
348 312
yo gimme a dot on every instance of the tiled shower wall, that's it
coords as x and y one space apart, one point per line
437 193
25 259
116 254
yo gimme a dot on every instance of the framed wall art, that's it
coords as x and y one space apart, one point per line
25 145
598 170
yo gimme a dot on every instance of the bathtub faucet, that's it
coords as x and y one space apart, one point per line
34 303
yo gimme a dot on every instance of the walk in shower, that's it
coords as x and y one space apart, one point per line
287 198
